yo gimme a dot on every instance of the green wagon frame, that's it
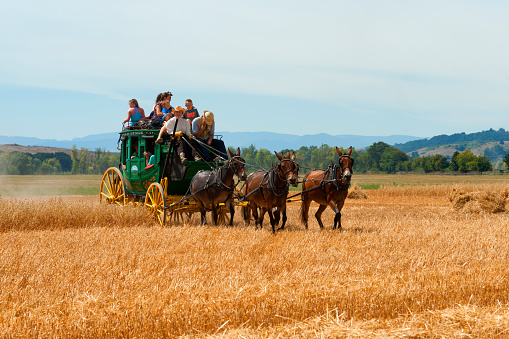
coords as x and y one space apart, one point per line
133 182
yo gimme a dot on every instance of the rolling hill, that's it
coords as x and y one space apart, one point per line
267 140
492 144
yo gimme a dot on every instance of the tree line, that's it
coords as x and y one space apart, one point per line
80 161
379 157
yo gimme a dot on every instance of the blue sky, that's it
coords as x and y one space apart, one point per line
421 68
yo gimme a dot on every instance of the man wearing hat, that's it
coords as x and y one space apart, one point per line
177 125
203 130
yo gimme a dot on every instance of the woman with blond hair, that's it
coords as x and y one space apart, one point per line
134 113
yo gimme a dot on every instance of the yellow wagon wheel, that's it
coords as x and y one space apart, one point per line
155 203
112 187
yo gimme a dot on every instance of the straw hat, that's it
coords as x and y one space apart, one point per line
208 117
178 108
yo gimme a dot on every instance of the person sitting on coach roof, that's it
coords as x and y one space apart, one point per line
134 113
191 111
180 126
157 110
203 130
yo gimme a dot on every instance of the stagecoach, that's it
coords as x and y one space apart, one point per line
163 187
168 187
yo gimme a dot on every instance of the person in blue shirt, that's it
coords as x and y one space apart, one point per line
150 160
167 110
134 113
157 112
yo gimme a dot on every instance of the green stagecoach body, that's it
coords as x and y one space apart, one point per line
138 177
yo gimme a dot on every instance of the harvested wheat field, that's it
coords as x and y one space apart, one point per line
410 262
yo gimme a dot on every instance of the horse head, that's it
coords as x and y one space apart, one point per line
289 168
346 164
236 163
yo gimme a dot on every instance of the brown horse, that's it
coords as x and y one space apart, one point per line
328 188
210 188
269 190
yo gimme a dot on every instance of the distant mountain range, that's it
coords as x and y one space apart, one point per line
492 143
267 140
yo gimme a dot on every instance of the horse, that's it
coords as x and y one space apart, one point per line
269 190
210 188
328 188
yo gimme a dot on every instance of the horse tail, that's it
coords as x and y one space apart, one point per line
303 214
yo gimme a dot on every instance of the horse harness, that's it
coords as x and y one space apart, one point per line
219 181
269 175
332 170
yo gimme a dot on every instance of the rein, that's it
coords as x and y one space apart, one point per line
277 191
229 165
332 171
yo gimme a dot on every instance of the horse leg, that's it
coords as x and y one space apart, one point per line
203 216
337 220
263 210
254 210
318 214
246 213
277 215
272 220
232 210
337 217
203 213
215 216
284 218
304 209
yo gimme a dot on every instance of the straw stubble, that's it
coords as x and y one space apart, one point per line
406 264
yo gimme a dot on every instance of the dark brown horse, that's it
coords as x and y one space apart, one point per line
210 188
328 188
269 190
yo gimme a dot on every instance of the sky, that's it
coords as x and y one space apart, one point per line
372 68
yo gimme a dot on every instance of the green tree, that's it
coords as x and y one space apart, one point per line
80 160
50 166
20 163
467 161
375 153
506 160
484 164
418 164
440 163
453 164
264 158
391 159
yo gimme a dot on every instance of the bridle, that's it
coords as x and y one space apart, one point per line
234 164
342 170
294 169
346 167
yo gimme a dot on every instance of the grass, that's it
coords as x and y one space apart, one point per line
406 264
54 185
49 185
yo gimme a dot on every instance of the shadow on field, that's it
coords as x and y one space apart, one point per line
361 230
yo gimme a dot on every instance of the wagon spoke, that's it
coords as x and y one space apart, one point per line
109 187
112 187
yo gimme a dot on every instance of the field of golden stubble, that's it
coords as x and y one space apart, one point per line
405 264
